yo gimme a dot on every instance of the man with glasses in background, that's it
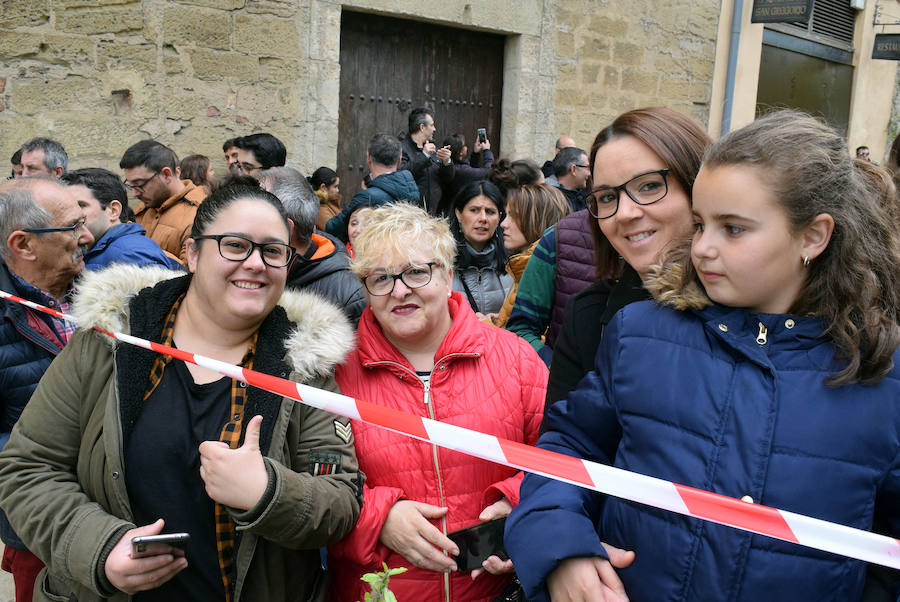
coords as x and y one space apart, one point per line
167 203
43 239
572 171
257 152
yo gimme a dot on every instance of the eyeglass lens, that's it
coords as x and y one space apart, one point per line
235 248
643 190
382 283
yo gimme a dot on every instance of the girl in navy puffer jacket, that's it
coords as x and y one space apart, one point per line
766 371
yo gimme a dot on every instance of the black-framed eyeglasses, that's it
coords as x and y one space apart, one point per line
247 168
643 189
74 228
139 184
382 283
237 248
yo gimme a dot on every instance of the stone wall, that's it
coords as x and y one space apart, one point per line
99 75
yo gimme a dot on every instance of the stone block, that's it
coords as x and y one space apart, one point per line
174 62
626 53
265 35
282 71
69 50
109 19
212 65
23 13
16 43
324 33
35 97
114 54
565 43
279 8
608 27
640 81
220 4
184 25
181 104
590 73
610 77
259 102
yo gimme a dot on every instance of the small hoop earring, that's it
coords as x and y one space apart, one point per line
806 261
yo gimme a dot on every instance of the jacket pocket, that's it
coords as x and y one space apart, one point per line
46 591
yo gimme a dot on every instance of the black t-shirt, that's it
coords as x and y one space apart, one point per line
162 474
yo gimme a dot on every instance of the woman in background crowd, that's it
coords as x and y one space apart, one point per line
326 184
530 210
480 263
198 170
420 349
766 371
506 174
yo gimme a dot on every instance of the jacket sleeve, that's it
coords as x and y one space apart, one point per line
530 315
532 389
39 487
305 510
556 520
413 159
361 546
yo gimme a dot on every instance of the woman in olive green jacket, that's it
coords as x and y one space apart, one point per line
285 487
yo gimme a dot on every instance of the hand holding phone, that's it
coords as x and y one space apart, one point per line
164 543
477 543
482 135
132 575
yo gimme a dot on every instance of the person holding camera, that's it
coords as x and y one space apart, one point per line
430 166
467 170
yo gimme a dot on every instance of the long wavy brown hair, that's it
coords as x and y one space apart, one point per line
854 285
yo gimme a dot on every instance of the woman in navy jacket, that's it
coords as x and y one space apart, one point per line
767 371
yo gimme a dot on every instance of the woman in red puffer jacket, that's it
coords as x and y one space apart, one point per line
422 350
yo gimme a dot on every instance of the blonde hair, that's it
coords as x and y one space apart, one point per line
398 228
535 208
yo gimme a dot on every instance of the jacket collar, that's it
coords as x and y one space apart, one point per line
464 339
320 338
190 195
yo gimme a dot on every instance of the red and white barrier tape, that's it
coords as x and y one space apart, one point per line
780 524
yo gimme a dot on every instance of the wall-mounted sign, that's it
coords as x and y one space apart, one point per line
781 11
887 46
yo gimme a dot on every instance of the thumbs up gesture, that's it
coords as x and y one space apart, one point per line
235 477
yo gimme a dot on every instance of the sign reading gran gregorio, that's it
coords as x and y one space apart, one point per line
781 11
887 46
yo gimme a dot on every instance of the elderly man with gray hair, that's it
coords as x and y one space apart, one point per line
43 239
322 264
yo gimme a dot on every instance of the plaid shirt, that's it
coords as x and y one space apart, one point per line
230 434
63 328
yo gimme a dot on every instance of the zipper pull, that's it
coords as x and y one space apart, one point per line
427 384
761 337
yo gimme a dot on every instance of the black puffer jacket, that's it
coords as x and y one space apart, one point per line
327 273
429 173
27 346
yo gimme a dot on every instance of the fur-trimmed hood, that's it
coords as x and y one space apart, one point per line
673 282
321 338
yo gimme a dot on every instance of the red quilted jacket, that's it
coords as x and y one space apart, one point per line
484 378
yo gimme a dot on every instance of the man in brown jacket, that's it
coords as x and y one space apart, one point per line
167 203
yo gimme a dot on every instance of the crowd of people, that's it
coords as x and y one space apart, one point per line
721 314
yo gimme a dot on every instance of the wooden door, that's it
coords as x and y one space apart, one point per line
391 66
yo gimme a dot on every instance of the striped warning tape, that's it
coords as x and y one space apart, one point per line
724 510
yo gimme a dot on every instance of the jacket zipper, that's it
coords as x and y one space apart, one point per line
437 468
427 399
763 331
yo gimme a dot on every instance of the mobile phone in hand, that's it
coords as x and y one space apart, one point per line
164 543
482 135
479 542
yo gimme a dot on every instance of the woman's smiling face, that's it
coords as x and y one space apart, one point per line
640 232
